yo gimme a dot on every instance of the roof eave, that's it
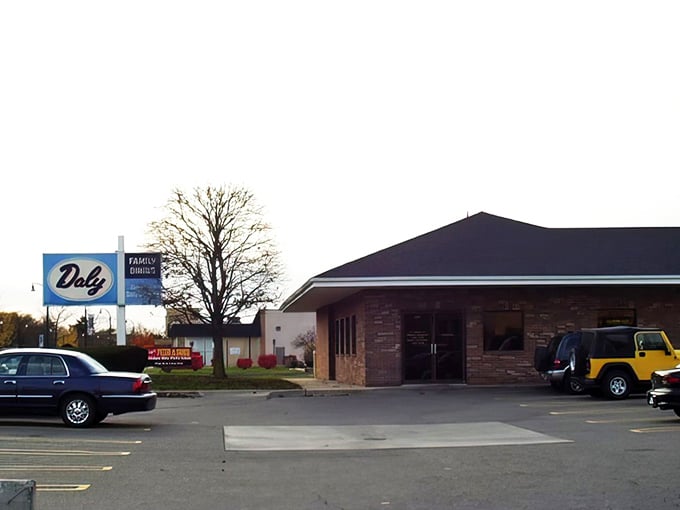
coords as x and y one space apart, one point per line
314 294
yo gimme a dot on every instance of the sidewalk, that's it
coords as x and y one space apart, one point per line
311 387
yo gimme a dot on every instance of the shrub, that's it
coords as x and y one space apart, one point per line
267 361
244 363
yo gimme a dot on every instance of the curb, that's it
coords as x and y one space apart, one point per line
179 394
311 393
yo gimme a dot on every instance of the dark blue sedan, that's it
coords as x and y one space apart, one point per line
69 384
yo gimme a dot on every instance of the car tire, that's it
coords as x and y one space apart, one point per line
676 410
78 410
571 385
616 385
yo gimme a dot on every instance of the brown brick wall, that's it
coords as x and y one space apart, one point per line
546 311
351 368
321 357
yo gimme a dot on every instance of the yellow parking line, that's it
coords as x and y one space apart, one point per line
66 440
66 453
63 488
24 467
651 430
591 411
572 403
622 421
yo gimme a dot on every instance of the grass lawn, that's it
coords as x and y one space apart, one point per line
254 378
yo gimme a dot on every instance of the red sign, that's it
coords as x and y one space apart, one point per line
178 357
174 357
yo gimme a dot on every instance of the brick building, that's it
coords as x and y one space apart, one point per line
469 302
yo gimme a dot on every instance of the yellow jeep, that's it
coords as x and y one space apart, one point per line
616 361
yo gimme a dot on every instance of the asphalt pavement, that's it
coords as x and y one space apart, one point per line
415 447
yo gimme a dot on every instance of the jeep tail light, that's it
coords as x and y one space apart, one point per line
141 385
557 364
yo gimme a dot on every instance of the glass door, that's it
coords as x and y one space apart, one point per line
448 347
433 347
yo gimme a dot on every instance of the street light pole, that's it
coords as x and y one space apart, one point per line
109 314
47 318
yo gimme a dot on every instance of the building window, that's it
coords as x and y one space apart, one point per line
345 336
503 331
354 335
616 317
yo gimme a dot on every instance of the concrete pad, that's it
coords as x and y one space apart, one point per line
379 437
17 494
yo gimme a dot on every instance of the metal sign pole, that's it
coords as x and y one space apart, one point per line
120 309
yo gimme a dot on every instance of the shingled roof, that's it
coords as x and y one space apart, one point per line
484 249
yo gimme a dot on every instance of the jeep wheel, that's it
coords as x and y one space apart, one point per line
617 385
571 385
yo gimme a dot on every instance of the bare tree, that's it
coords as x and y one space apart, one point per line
307 342
219 259
56 319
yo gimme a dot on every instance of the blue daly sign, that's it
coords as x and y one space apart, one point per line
79 279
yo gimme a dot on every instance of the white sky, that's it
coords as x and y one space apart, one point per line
356 124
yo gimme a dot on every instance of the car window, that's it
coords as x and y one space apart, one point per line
554 343
45 365
650 342
568 343
92 365
616 345
36 365
9 364
587 340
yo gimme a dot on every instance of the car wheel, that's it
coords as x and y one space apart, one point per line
617 385
78 411
572 385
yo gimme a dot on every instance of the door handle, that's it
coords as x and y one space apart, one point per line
643 354
58 382
10 382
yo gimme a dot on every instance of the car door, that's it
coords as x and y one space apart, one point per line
41 382
9 366
652 353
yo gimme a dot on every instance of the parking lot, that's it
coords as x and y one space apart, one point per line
403 448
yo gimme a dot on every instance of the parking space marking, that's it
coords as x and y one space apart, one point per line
591 411
597 422
26 467
569 403
651 430
379 437
52 440
65 453
62 487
